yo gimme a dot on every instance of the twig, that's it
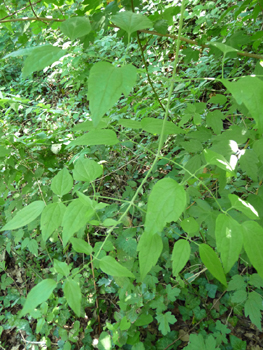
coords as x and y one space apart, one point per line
8 9
23 8
43 19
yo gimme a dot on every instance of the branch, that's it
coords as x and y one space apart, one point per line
32 8
23 8
45 19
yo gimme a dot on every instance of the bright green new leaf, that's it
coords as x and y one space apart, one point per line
164 321
62 183
125 324
223 47
217 159
86 170
180 255
51 219
33 247
245 207
253 244
150 247
249 91
166 203
25 216
76 27
38 294
253 307
111 267
76 216
130 21
61 267
4 151
229 240
154 126
211 261
80 246
104 341
96 137
73 295
132 124
106 84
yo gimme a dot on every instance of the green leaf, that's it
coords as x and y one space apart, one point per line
41 57
143 320
38 294
166 203
4 152
96 137
253 244
106 84
253 307
154 126
239 296
229 240
104 341
190 225
249 91
180 255
211 261
245 207
76 27
248 163
73 295
256 280
61 267
223 47
88 125
51 219
217 159
80 246
164 321
33 247
130 21
111 267
86 170
161 26
150 247
76 216
125 324
197 342
25 216
132 124
62 183
214 121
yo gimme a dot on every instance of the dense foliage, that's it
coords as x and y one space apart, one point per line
131 160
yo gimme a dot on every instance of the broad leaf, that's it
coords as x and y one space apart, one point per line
62 183
229 240
106 84
132 124
223 47
86 170
61 267
164 321
150 248
143 320
76 216
73 295
190 225
166 203
76 27
25 216
248 163
88 125
249 91
217 159
180 255
154 126
130 21
51 219
245 207
197 342
253 244
104 341
80 246
253 307
211 261
4 151
38 294
96 137
111 267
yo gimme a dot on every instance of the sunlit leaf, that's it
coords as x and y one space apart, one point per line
62 183
245 207
80 246
130 21
25 216
86 170
111 267
180 255
75 27
51 219
73 295
96 137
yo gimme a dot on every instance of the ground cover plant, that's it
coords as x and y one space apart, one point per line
131 159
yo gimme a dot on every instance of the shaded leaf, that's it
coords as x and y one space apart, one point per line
76 27
111 267
51 219
164 321
61 267
96 137
244 206
86 170
253 307
73 295
81 246
154 126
